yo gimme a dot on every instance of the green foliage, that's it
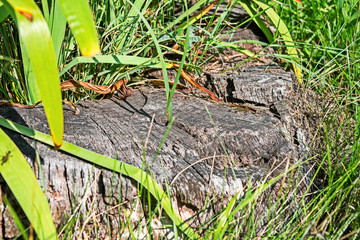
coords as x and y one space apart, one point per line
42 81
327 36
321 39
22 181
36 41
79 18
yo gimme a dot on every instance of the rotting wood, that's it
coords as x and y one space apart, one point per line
257 144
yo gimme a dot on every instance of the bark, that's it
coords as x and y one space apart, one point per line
258 145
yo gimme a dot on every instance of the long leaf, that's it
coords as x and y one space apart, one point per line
116 59
109 163
21 180
57 25
32 88
3 12
45 9
35 36
79 17
223 219
285 34
237 48
256 18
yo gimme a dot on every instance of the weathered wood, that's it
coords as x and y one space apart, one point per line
256 143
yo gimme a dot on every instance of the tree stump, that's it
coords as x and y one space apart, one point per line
212 150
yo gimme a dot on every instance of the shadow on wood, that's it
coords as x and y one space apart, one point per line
200 160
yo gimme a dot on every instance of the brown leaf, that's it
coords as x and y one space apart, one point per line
8 103
188 77
161 83
118 86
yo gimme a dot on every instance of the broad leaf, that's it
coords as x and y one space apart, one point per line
79 17
3 12
57 25
23 184
33 91
36 38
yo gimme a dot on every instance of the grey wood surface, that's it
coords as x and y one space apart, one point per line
256 144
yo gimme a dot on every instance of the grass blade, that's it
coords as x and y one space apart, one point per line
35 36
23 184
285 34
194 8
129 32
237 48
161 56
32 88
224 218
79 17
116 59
192 20
57 27
256 18
16 218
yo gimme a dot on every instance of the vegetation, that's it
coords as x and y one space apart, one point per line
318 37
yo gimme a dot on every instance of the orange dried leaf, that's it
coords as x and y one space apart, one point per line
119 85
161 83
188 77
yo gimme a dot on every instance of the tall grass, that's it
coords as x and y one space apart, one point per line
327 36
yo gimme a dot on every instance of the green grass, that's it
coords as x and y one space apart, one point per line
326 36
